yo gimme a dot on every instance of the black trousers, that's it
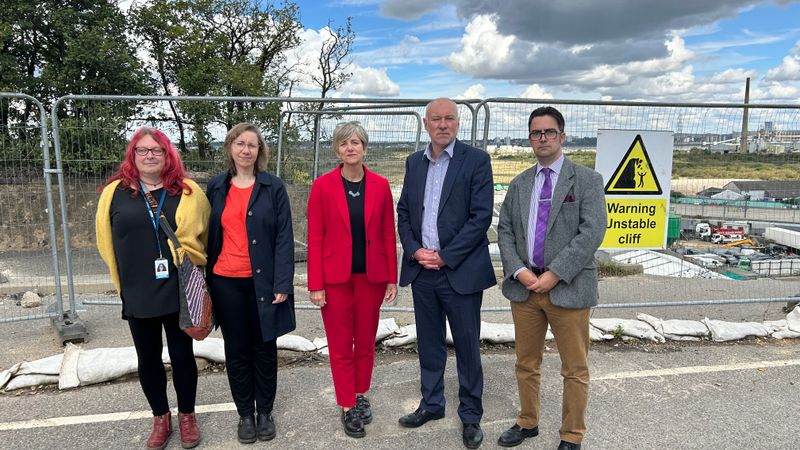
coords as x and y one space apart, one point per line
251 363
146 335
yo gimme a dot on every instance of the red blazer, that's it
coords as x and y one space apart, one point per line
330 241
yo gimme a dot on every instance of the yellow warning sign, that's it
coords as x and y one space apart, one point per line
635 223
635 174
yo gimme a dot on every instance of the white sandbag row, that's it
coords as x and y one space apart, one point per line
82 367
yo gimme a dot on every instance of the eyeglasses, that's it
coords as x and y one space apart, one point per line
549 133
242 144
156 151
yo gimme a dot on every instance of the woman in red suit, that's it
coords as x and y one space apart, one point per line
352 268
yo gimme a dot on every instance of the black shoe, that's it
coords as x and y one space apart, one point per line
418 418
247 430
364 410
353 426
472 435
564 445
265 427
515 435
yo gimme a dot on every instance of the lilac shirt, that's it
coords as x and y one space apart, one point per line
537 191
437 169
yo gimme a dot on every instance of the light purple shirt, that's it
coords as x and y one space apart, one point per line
555 171
437 169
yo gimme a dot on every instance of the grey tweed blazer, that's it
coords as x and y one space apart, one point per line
575 230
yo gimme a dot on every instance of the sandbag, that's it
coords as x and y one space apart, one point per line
295 343
28 380
729 331
386 328
676 330
212 349
497 333
629 327
405 335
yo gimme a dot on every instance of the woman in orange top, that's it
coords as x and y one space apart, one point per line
352 268
251 267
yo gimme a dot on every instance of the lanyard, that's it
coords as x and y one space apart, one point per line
154 218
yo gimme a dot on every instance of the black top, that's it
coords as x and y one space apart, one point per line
135 250
354 192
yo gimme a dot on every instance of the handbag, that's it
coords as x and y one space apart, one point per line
195 316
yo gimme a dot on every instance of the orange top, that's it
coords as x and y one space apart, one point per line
234 259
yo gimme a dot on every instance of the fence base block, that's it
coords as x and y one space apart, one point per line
69 328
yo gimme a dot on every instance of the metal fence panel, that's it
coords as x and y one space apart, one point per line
706 154
28 239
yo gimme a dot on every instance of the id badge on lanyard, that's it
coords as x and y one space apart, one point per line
160 265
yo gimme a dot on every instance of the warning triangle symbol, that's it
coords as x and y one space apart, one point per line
635 174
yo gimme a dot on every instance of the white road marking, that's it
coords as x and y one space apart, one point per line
109 417
226 407
696 369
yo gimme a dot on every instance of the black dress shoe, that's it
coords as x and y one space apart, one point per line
564 445
472 435
265 427
247 430
353 426
515 435
418 418
364 410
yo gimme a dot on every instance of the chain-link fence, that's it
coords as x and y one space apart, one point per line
91 133
735 206
30 282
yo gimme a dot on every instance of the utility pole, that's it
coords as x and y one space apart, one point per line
743 147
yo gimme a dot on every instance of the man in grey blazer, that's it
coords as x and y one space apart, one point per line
552 221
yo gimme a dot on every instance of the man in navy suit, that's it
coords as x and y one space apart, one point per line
443 214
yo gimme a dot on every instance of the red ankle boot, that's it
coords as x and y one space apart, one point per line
190 434
162 427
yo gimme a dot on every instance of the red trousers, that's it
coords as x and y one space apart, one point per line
350 315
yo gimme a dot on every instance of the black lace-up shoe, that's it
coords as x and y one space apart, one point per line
418 418
515 435
364 410
353 426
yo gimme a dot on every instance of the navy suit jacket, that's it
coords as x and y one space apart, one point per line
464 216
269 231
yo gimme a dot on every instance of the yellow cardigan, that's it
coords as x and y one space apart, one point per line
191 217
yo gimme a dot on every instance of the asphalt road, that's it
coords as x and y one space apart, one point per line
741 396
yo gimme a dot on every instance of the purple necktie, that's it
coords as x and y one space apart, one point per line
542 214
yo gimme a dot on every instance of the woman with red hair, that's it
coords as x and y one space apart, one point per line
143 264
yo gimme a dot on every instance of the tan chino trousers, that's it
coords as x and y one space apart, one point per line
571 330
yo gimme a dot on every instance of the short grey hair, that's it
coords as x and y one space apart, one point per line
428 106
346 129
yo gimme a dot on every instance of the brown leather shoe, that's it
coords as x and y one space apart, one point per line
162 428
190 433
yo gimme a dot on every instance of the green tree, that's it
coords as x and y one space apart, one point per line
51 48
219 48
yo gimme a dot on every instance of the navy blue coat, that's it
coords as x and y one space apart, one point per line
465 214
269 232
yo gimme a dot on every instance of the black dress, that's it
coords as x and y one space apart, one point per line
135 249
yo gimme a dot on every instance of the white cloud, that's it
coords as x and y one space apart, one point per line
474 91
410 50
776 92
483 48
371 82
732 76
535 91
789 68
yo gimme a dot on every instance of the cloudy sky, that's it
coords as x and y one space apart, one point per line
613 49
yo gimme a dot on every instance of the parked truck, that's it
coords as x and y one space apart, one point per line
722 232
